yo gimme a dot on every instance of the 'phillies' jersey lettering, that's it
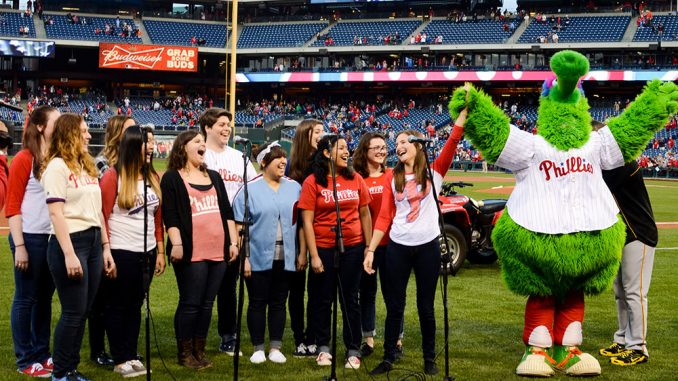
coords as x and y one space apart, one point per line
79 181
569 166
204 204
343 195
230 176
377 189
139 203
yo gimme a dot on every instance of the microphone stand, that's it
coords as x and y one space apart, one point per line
244 253
338 254
446 262
147 256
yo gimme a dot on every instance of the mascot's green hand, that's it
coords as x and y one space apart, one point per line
634 127
458 102
667 93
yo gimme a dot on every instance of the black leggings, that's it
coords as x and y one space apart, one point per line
268 289
396 269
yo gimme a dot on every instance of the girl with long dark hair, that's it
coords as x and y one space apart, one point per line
78 250
201 237
319 218
122 190
29 226
304 145
408 209
108 157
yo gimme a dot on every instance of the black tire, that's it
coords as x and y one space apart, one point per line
483 253
482 257
457 243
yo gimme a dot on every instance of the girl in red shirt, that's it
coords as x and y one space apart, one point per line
29 225
408 209
319 218
369 161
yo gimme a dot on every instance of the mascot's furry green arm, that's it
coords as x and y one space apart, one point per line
552 264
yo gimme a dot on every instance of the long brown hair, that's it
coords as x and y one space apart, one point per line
130 165
419 166
67 145
178 158
32 136
360 162
302 150
113 136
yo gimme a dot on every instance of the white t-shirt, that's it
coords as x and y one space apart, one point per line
127 225
80 194
561 192
229 164
416 216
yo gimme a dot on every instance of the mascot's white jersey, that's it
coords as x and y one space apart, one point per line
561 192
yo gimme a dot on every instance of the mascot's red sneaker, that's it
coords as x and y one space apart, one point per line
574 362
536 362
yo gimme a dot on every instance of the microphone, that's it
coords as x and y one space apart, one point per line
415 139
240 140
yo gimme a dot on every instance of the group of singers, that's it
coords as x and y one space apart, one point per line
82 227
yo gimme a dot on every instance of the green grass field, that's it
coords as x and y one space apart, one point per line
486 321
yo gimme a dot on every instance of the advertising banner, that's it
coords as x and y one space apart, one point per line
148 57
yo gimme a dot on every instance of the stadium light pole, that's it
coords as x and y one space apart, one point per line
234 44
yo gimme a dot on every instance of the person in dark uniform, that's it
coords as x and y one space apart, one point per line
632 283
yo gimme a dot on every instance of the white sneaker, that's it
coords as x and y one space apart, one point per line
138 366
126 370
258 357
301 351
312 350
277 357
324 359
352 362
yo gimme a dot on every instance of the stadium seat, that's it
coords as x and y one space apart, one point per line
581 29
64 30
344 31
278 35
10 22
181 33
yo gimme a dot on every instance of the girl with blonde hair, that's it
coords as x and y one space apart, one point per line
78 250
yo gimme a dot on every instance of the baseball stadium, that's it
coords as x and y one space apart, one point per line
386 67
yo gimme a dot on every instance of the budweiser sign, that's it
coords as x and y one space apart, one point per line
148 57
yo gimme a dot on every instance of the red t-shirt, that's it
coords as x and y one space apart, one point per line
352 195
208 229
376 186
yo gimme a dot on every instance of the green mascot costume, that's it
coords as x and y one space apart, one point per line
561 237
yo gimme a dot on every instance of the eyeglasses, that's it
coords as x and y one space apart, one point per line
378 148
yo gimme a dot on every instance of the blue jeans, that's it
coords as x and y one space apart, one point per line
76 296
198 284
350 270
400 261
31 316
